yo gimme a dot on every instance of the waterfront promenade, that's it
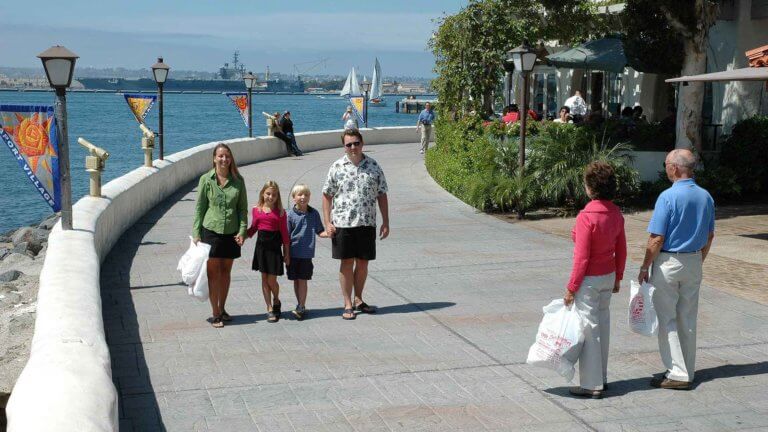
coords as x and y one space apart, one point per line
460 296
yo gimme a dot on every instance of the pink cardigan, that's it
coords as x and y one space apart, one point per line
600 243
261 221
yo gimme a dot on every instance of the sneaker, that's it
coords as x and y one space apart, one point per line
299 312
421 151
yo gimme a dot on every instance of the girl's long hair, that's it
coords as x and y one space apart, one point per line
278 201
232 166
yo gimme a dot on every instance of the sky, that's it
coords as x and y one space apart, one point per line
203 34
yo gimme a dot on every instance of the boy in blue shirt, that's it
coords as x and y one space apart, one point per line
304 222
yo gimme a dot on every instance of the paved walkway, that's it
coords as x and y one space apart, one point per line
460 296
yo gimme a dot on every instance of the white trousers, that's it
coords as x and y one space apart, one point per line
426 131
677 278
593 300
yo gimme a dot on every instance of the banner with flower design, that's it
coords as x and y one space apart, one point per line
240 101
358 105
29 132
140 104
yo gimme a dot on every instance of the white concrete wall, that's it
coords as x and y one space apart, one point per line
67 382
648 164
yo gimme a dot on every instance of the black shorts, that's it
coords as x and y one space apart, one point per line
300 268
222 245
357 242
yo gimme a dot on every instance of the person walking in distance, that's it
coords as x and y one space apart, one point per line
424 124
221 219
681 229
355 183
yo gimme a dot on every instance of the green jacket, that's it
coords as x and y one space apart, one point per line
223 210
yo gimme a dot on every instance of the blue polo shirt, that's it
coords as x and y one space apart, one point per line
684 215
426 117
303 229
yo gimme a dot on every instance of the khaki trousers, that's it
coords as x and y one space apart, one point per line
593 300
677 279
426 131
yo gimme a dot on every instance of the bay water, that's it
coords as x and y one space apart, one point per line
189 120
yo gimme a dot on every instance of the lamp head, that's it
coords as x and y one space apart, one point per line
59 64
160 71
250 80
523 57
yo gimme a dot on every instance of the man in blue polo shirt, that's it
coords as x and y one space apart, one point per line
681 231
424 124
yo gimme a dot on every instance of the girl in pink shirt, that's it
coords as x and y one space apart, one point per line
270 220
599 256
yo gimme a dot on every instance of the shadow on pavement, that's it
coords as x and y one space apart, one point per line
402 308
621 388
136 393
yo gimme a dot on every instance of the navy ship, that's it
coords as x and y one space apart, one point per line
229 80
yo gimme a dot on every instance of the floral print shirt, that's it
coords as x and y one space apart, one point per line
355 190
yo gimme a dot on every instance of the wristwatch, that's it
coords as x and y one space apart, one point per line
643 269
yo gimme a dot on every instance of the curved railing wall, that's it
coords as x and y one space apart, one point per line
67 382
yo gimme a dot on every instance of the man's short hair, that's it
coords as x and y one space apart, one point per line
352 132
566 108
683 158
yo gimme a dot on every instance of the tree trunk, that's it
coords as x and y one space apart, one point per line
691 98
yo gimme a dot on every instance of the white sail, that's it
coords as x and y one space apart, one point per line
351 87
376 81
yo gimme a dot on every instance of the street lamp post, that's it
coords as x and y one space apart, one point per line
160 72
250 81
523 57
366 86
59 64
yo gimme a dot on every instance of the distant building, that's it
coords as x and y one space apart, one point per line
411 88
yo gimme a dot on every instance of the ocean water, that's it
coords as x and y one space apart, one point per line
190 119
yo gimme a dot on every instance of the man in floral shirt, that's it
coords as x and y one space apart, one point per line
354 185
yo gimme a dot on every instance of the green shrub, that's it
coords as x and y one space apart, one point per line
744 156
477 164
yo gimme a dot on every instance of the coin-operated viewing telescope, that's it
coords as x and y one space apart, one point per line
147 144
94 164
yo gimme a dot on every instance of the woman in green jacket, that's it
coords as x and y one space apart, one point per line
221 220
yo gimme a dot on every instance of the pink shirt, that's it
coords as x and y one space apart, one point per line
600 243
261 221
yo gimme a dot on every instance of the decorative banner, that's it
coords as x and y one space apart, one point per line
140 104
240 101
29 132
358 103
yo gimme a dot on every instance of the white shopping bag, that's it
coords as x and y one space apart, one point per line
193 266
559 339
642 315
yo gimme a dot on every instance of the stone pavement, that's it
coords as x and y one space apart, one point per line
460 296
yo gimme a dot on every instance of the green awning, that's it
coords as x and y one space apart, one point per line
602 54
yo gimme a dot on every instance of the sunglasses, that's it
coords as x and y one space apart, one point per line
353 143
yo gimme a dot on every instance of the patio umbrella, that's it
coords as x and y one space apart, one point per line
605 54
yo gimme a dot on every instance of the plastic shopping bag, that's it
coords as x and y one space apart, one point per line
559 339
193 266
642 315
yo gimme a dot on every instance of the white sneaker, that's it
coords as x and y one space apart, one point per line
421 151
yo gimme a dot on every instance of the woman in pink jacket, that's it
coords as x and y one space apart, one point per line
599 255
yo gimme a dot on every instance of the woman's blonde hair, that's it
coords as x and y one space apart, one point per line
278 202
233 171
300 188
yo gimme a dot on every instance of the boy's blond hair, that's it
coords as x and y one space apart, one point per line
300 188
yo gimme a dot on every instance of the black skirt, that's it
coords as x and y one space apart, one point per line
222 245
268 255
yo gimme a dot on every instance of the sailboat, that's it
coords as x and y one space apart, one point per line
351 87
375 99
